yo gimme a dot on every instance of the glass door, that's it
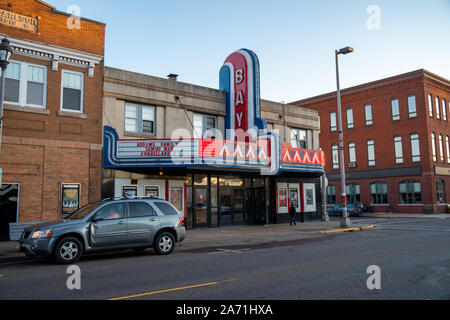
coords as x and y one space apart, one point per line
226 208
201 207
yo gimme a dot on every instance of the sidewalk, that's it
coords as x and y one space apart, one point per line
228 236
441 216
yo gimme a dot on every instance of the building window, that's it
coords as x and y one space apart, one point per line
318 123
410 192
378 193
202 123
395 109
299 138
25 84
438 108
440 191
412 110
430 105
72 91
368 113
349 118
441 148
398 149
335 155
331 194
415 147
447 146
352 154
433 146
444 110
371 152
353 193
333 121
140 118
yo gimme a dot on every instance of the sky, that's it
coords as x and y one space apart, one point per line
294 40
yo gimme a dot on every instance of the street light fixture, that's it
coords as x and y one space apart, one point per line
5 54
345 221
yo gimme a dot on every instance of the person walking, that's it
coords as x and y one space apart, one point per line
292 213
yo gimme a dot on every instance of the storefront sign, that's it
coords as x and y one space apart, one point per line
442 171
265 153
18 21
239 78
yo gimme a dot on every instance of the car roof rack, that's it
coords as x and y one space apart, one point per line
132 198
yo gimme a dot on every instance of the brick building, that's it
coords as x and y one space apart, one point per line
52 134
396 142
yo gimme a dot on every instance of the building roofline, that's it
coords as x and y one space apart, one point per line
374 84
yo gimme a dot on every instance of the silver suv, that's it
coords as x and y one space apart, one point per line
136 223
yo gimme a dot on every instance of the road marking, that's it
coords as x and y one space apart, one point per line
174 289
229 251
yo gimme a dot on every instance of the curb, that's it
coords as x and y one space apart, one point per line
348 229
410 217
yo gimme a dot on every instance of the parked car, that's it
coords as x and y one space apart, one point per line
136 223
352 209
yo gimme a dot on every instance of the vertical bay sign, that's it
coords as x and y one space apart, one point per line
240 79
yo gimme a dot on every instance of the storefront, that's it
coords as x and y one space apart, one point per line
210 152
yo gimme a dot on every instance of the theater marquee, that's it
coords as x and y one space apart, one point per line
19 21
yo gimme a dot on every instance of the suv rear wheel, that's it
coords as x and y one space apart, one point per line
164 243
68 250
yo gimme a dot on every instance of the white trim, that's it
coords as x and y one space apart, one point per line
23 85
55 54
63 71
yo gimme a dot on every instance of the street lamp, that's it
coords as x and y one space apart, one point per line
5 55
345 221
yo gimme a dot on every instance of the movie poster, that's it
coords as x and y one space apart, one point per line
70 198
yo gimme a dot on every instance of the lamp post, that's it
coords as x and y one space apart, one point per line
5 55
345 221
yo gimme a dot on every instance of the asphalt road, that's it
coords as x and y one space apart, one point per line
413 256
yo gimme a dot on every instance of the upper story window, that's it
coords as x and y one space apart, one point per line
352 153
412 109
398 149
202 123
430 105
26 84
444 110
333 121
335 156
299 138
395 109
433 146
371 152
349 118
72 91
441 147
140 118
415 147
368 113
438 108
447 146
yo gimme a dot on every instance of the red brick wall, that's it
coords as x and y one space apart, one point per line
41 151
379 94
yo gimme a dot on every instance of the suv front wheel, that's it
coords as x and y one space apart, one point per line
68 250
164 243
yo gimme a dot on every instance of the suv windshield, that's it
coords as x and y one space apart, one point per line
82 212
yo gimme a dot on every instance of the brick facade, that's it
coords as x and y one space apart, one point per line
383 130
45 147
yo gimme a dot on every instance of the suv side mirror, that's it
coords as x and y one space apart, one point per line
95 219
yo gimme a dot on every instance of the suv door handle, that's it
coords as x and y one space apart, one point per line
153 219
121 222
